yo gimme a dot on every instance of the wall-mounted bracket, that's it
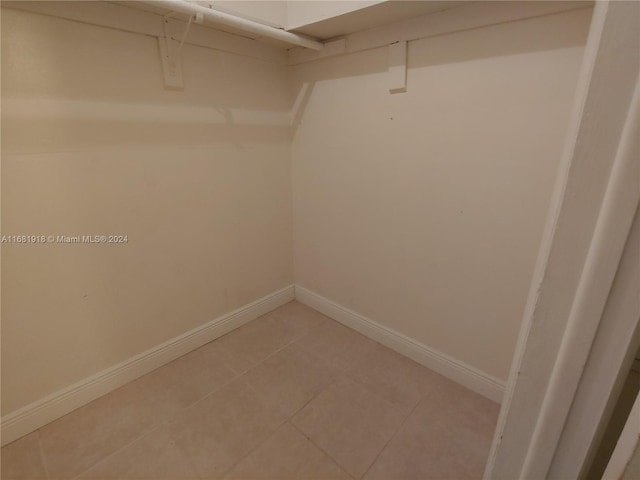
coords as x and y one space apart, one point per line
397 73
171 49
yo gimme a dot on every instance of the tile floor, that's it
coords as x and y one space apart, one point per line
292 395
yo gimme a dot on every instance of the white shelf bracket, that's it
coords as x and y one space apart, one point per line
397 73
171 49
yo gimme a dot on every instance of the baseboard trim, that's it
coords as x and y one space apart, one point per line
37 414
458 371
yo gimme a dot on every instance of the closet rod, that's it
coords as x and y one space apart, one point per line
215 17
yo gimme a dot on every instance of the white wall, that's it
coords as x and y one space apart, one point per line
423 211
92 144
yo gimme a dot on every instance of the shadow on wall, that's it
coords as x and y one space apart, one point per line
50 135
300 102
85 86
524 36
75 61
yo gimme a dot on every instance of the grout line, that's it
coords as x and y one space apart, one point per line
260 362
320 448
404 421
271 407
264 403
275 352
141 435
343 374
316 395
166 421
341 377
187 457
173 418
163 420
237 377
237 374
267 438
391 438
42 456
255 392
287 419
123 447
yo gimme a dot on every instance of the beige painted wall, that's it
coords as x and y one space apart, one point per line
199 180
423 211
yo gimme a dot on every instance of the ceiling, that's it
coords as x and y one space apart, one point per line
370 16
373 16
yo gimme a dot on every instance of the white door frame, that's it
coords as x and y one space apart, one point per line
592 210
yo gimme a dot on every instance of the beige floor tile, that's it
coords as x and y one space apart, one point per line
152 457
632 470
287 455
218 431
252 343
338 345
394 377
195 418
350 423
85 436
298 317
463 408
447 437
186 380
290 378
255 341
22 459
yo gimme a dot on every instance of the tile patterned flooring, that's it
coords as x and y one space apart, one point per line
292 395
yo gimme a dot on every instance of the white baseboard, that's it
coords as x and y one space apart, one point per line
458 371
43 411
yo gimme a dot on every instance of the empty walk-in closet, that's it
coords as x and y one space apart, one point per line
295 240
